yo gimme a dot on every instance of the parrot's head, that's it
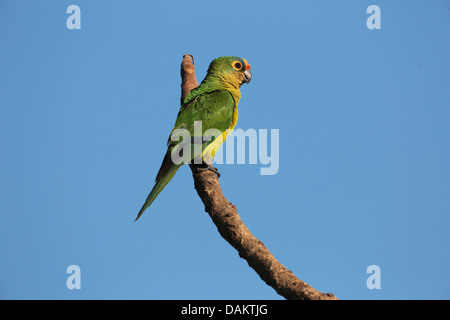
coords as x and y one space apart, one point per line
231 70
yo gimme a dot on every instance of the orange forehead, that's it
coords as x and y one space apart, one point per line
247 66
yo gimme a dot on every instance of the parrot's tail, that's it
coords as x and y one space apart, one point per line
158 187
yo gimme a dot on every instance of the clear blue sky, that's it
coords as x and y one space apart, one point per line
364 175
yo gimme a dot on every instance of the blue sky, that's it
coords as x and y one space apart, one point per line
363 117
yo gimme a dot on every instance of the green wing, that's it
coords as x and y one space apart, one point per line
214 109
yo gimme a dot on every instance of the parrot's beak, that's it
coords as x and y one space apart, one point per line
247 76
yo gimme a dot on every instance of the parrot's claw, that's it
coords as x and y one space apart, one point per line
211 168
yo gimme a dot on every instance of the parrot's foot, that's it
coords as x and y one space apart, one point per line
211 168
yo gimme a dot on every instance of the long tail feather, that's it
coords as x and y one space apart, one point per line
158 187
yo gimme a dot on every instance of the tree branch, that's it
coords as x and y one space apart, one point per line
230 226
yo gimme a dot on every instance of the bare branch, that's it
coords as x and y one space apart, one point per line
229 224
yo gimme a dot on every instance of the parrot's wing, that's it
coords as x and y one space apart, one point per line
215 111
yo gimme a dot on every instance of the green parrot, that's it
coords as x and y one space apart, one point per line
212 105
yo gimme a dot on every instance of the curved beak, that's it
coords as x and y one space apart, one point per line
247 76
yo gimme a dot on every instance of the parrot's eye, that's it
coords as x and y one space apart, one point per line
237 65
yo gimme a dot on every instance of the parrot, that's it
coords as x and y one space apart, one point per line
213 104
